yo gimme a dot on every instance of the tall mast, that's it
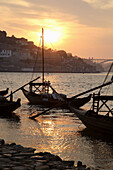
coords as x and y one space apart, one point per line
42 55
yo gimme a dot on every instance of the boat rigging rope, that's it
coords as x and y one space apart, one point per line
106 77
104 82
38 56
36 59
34 66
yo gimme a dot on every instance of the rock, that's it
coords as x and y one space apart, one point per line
51 157
79 163
68 163
19 168
12 144
17 157
38 164
2 142
44 167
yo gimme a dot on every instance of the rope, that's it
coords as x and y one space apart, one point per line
38 55
34 66
106 76
35 60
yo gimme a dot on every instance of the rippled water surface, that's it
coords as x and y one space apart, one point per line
59 132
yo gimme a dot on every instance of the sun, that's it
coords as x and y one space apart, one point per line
51 36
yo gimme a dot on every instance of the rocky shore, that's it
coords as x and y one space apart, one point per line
17 157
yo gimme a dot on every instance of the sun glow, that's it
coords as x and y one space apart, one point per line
51 36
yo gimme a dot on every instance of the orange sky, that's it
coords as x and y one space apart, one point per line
81 27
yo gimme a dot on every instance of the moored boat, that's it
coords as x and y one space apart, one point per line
4 92
8 106
45 95
54 99
94 119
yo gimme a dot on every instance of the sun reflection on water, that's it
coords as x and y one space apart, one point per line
57 134
57 131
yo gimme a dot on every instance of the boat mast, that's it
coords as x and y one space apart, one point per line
42 55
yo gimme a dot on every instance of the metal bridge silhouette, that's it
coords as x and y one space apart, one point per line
103 60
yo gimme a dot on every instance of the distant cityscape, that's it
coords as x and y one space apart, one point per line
19 54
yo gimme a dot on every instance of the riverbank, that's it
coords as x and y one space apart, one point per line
17 157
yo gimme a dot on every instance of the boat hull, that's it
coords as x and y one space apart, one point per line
37 99
4 92
92 121
7 107
49 101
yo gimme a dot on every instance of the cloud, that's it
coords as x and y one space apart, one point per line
86 24
14 3
102 4
27 19
70 10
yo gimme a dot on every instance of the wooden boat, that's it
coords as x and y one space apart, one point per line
94 119
8 106
45 95
4 92
54 99
44 98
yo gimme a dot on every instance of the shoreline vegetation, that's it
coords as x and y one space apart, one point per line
17 157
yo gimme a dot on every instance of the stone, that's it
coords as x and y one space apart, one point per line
37 157
79 163
2 141
12 144
44 167
17 157
38 164
24 154
42 161
52 157
68 163
19 168
7 155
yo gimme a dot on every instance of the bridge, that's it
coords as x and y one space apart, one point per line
99 60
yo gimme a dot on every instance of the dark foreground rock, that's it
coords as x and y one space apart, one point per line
17 157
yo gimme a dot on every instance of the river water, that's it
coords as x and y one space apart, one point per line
59 132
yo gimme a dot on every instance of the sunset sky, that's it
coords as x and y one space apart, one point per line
81 27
